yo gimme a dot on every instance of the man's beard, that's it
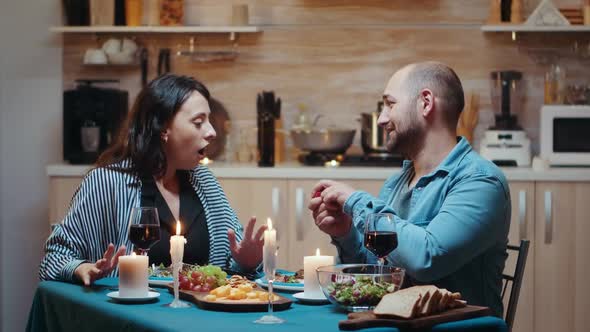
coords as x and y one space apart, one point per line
407 142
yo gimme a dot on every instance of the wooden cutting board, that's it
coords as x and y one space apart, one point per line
231 305
361 320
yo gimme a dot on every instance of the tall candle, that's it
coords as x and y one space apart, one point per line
133 276
177 246
269 251
311 286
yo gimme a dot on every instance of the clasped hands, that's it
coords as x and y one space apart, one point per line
326 205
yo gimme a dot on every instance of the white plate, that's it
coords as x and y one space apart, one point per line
292 287
160 281
151 295
308 299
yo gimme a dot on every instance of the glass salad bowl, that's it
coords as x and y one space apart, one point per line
358 287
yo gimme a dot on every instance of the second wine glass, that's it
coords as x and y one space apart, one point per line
380 235
144 228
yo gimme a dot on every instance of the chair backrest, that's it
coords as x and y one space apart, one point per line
515 280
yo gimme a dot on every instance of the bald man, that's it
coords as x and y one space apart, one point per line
451 207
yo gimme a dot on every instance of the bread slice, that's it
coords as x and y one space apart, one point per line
403 304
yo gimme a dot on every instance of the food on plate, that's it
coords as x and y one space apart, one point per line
418 301
296 278
160 271
201 278
238 288
364 291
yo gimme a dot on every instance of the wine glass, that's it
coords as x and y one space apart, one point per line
144 228
380 236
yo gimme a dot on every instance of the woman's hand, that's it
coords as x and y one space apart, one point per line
88 273
247 253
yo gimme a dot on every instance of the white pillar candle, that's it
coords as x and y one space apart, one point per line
177 246
269 251
133 276
311 286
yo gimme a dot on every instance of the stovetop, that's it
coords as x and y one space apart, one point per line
379 160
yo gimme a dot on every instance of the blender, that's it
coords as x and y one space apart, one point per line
505 143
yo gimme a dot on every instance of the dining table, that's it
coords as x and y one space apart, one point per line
61 306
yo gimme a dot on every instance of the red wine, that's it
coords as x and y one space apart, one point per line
144 236
381 243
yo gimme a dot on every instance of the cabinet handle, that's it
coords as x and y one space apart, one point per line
299 194
275 202
548 217
522 214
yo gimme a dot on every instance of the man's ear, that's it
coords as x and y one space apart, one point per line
426 101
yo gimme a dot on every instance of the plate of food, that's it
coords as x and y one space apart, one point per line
236 294
159 275
285 281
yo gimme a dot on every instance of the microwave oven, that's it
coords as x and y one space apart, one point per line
565 135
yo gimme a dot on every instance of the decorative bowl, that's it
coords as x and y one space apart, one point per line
358 287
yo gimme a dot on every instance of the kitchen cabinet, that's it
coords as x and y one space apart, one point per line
561 268
522 226
61 191
285 201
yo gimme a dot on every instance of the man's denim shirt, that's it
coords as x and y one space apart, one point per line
457 230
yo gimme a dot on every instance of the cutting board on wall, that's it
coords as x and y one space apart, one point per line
361 320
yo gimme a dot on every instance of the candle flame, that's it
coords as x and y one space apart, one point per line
269 223
133 254
177 227
317 252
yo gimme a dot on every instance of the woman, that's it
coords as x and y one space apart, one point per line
154 162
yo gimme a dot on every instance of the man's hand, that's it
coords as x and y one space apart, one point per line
327 204
247 253
88 273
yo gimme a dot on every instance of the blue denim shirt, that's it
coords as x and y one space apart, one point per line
457 230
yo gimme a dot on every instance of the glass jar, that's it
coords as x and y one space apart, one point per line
171 12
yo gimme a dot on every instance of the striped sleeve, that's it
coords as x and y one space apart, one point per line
84 233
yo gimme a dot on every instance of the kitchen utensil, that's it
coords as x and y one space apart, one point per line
328 140
373 136
164 61
268 109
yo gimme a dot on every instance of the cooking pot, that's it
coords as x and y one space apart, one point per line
328 140
373 137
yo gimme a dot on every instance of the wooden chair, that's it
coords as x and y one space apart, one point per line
515 280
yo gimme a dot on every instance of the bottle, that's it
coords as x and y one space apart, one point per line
586 10
516 12
560 84
549 87
495 12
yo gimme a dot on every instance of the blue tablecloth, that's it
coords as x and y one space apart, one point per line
61 306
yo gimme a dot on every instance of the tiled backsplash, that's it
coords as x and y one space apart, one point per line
336 58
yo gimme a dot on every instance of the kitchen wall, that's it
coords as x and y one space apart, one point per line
30 138
336 56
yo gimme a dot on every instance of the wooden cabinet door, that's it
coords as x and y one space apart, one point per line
263 198
555 255
61 191
581 262
304 236
522 226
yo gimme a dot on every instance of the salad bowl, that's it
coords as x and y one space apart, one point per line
358 287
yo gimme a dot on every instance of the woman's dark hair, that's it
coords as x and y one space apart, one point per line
140 138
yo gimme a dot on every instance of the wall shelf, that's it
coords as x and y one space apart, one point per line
531 28
156 29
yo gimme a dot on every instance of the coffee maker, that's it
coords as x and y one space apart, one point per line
91 118
505 143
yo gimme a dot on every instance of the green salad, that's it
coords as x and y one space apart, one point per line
364 291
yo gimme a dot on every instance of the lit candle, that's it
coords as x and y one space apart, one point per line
269 251
133 276
311 285
177 246
332 163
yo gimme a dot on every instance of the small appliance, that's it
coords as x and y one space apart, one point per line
506 143
565 135
91 118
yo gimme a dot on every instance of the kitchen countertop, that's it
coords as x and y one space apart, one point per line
298 171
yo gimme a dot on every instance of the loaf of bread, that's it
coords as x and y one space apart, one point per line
418 301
